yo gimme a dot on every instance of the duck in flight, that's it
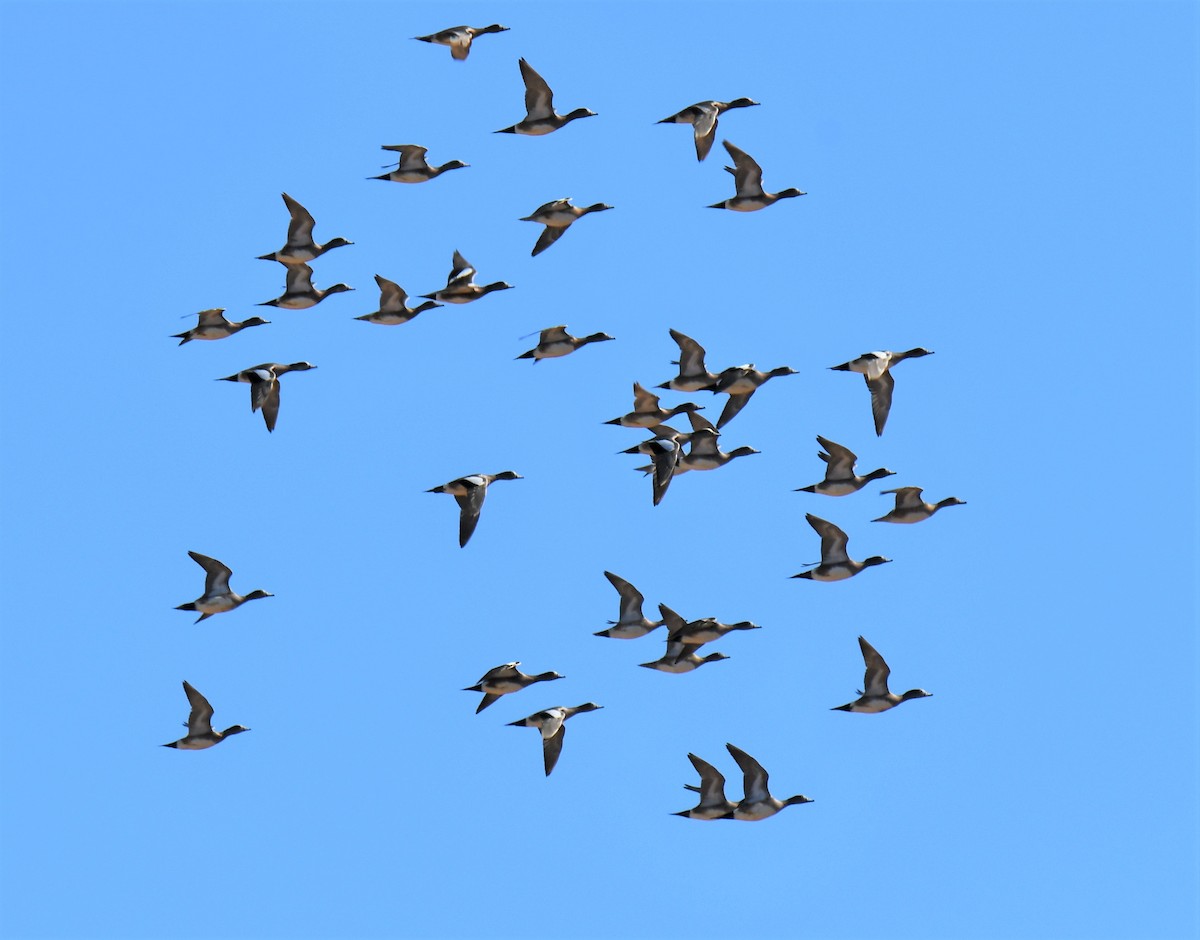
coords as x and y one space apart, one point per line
504 680
393 305
552 725
911 508
557 215
540 116
747 177
199 724
703 117
461 287
713 804
757 803
217 597
213 325
264 386
835 564
469 492
693 375
739 383
876 697
459 38
875 368
840 478
299 293
300 246
555 341
630 623
413 167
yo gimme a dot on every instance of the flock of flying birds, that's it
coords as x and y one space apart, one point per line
671 452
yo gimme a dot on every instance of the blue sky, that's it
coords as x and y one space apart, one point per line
1011 185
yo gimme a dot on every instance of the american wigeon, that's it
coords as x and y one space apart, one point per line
747 177
299 293
199 724
875 696
875 368
469 492
911 508
217 597
757 803
461 287
459 38
300 246
393 305
835 564
551 724
540 116
840 478
264 386
741 382
646 411
630 623
703 117
558 215
713 804
504 680
413 168
555 341
213 325
693 376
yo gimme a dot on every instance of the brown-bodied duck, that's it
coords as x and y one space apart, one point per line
757 803
264 386
540 116
740 383
461 287
393 305
646 411
703 117
835 564
558 215
552 724
217 597
705 452
631 623
413 168
680 656
713 804
875 696
875 368
459 38
840 478
469 492
911 508
693 375
705 630
299 293
504 680
300 246
213 325
555 341
199 724
747 177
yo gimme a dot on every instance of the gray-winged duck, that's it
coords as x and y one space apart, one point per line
469 492
459 38
540 116
875 368
393 305
555 341
911 508
757 803
630 623
747 177
551 723
840 478
505 679
713 804
693 375
875 696
199 724
558 215
646 411
300 246
264 386
703 117
217 597
213 325
413 168
299 293
835 564
461 287
741 382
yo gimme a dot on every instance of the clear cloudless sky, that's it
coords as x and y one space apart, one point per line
1012 185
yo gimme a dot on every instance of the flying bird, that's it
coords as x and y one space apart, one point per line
299 293
217 597
875 368
646 412
693 376
747 177
199 724
413 167
264 386
540 116
555 341
213 325
557 216
835 564
739 383
551 723
504 680
630 623
300 246
876 697
911 508
713 804
703 117
393 305
840 478
469 492
458 38
757 803
460 285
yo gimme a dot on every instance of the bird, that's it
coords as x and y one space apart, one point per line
264 386
703 117
505 679
747 177
299 293
713 804
911 508
706 630
213 325
393 305
461 287
665 455
217 597
706 454
630 623
835 564
876 697
840 478
757 803
555 341
875 368
739 383
199 724
469 492
540 116
646 412
413 167
551 723
458 38
693 376
300 246
557 216
680 657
